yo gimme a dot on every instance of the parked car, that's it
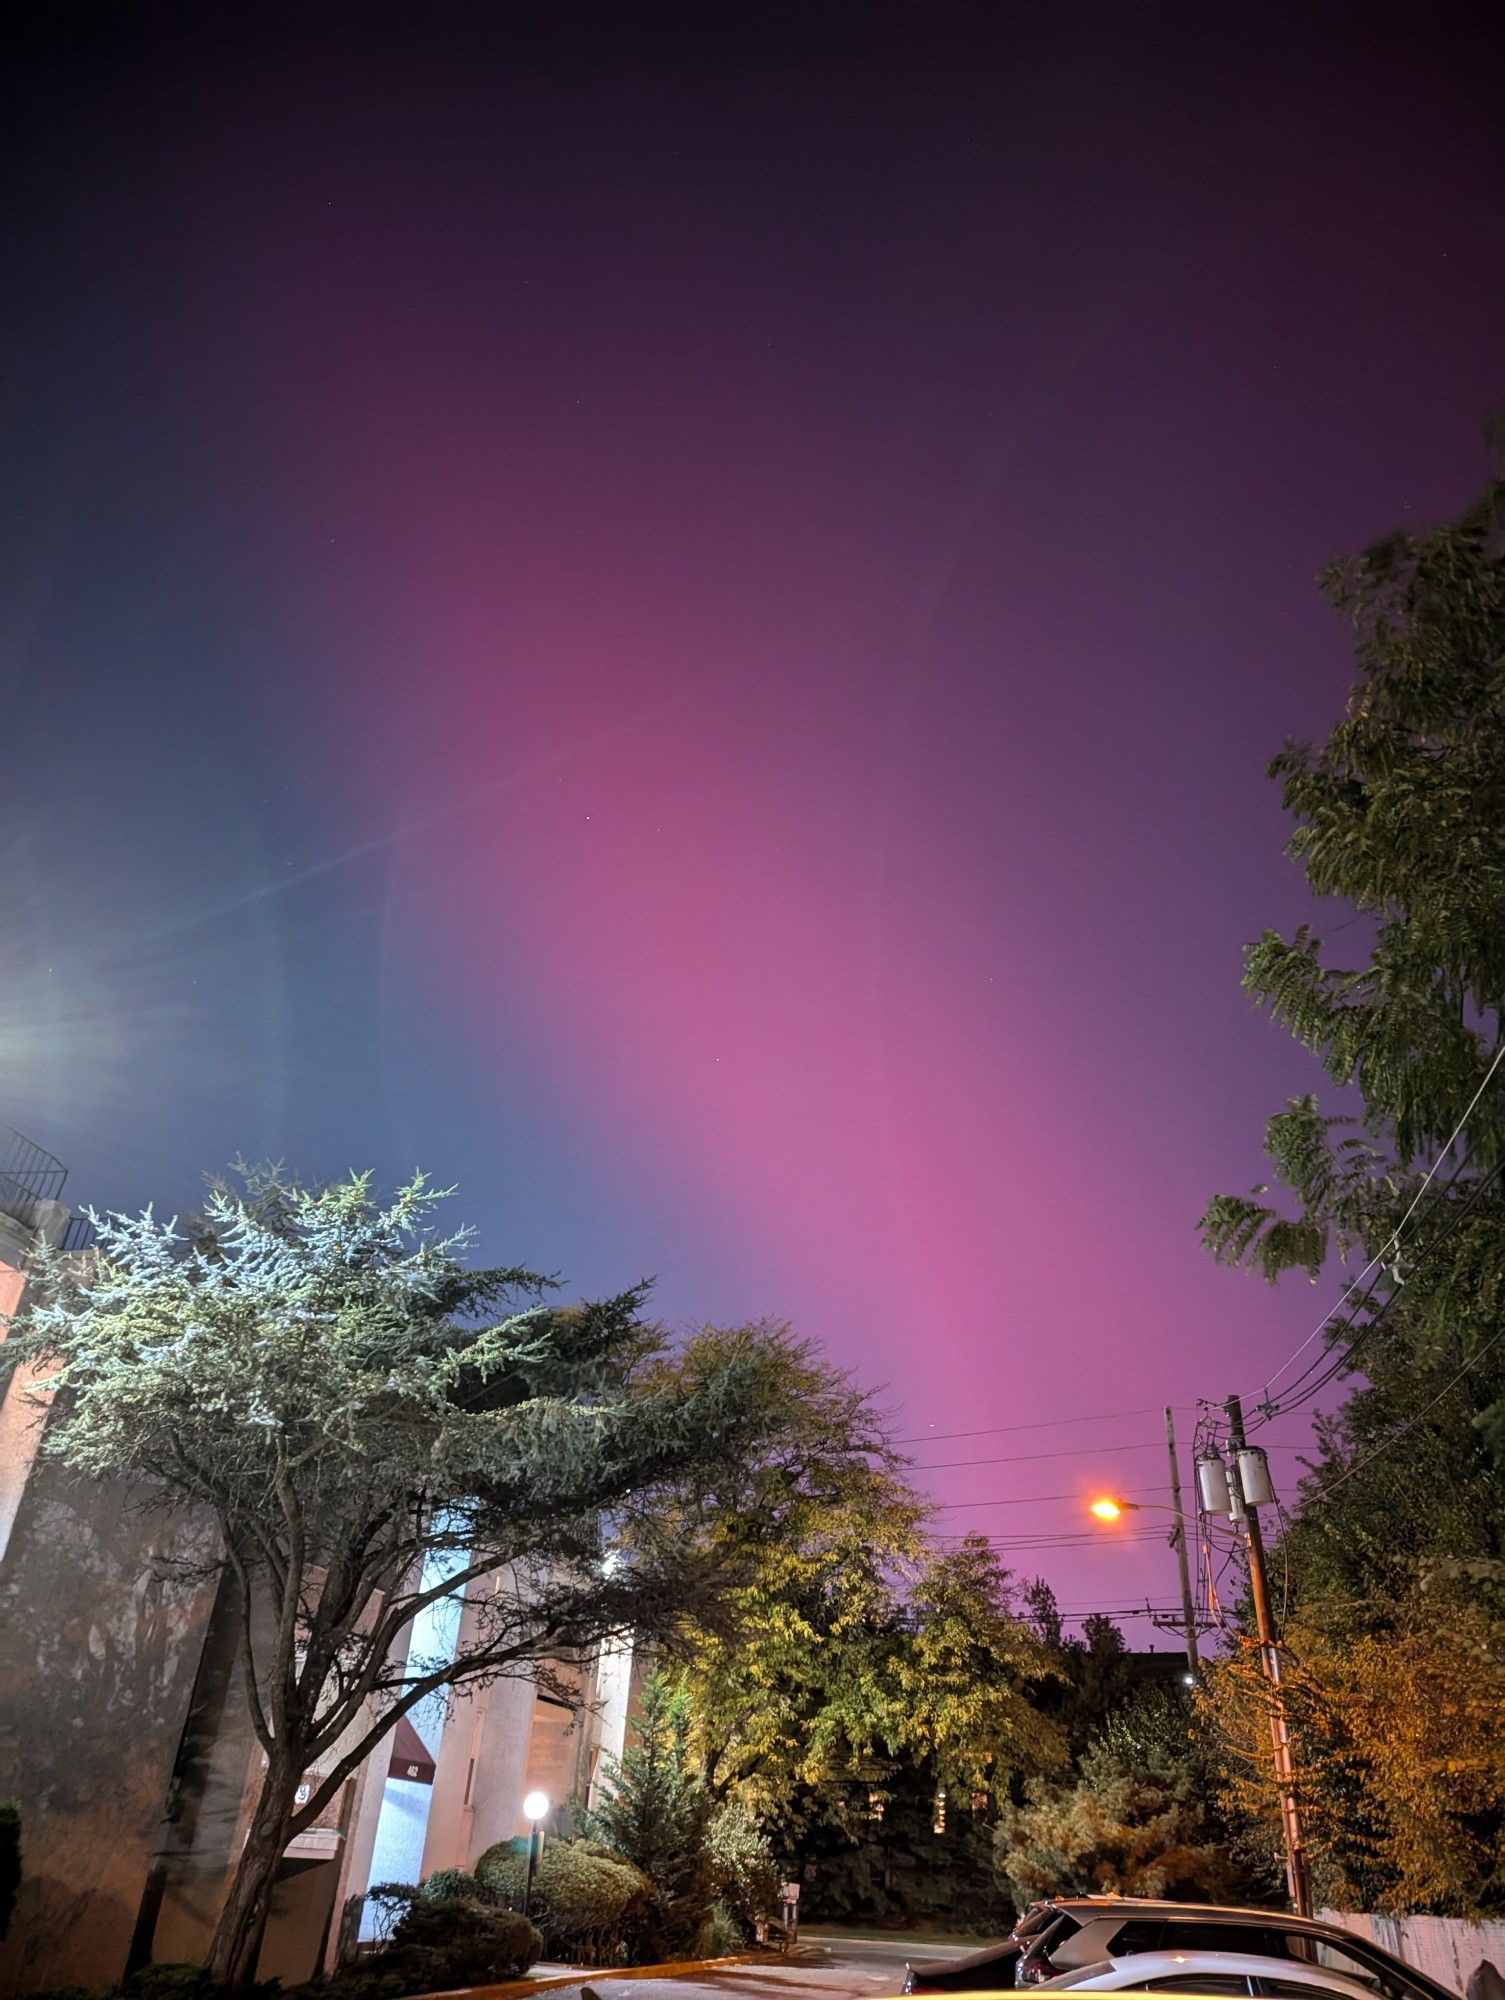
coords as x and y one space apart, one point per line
1212 1974
1068 1934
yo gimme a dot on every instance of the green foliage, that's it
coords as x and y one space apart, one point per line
853 1646
10 1859
816 1534
1134 1820
586 1900
892 1858
375 1429
880 1681
450 1933
656 1813
1088 1679
744 1874
720 1936
1394 1648
1400 815
168 1982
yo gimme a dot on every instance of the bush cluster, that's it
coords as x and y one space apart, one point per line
446 1934
588 1901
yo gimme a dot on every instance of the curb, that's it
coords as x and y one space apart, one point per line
515 1989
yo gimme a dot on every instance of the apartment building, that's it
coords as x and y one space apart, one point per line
124 1732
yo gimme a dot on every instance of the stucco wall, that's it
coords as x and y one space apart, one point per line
1447 1949
98 1651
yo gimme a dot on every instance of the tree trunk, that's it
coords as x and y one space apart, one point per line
243 1921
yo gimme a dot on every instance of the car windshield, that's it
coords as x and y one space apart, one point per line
1357 1959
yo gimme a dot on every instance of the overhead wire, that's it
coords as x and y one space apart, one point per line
1393 1243
1316 1377
1041 1424
1029 1457
1026 1499
1411 1422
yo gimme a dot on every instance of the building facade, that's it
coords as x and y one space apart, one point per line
124 1731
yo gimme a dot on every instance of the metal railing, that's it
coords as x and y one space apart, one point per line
28 1177
79 1235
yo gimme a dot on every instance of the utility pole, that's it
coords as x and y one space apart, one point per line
1298 1875
1188 1616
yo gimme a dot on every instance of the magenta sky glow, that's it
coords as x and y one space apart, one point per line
768 567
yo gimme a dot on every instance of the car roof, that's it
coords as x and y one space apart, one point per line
1148 1906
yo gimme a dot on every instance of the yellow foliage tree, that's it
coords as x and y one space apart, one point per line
1400 1749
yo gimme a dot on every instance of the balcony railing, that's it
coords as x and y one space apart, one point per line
28 1177
79 1235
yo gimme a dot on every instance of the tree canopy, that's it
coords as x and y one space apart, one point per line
1393 1661
1392 1651
1400 817
377 1430
1136 1818
850 1639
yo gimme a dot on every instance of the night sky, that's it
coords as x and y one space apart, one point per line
677 616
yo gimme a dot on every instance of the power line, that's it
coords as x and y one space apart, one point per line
1009 1546
1029 1457
1316 1376
1394 1242
1027 1500
1043 1424
1411 1423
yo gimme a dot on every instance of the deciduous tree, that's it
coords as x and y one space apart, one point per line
1400 818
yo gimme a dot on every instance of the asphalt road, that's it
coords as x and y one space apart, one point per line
831 1967
881 1952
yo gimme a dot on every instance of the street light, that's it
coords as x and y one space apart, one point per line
535 1808
1110 1506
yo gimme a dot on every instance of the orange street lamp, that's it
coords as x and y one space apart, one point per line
1110 1506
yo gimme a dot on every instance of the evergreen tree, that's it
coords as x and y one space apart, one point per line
1136 1819
656 1813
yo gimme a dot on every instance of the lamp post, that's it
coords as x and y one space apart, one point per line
535 1806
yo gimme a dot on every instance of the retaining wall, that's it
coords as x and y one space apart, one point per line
1445 1948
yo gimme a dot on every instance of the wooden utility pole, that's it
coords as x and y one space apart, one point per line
1298 1874
1188 1616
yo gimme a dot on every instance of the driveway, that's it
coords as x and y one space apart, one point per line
831 1966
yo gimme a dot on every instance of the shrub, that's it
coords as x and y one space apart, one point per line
720 1934
168 1982
1135 1819
584 1898
449 1932
744 1872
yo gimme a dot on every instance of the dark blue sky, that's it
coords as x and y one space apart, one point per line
677 614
